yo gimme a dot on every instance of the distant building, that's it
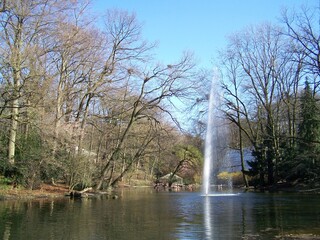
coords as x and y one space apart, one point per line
175 179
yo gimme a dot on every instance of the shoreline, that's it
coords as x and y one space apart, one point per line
49 191
46 191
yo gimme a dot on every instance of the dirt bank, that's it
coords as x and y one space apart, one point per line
45 191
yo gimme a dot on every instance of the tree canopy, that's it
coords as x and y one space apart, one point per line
265 68
82 103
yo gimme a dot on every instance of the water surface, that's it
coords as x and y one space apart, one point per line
147 214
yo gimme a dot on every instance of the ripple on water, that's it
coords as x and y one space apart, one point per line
220 194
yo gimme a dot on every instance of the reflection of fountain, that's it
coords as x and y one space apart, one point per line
216 138
207 219
219 217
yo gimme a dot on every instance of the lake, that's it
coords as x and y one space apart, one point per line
147 214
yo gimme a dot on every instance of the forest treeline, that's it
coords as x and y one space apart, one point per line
84 100
272 97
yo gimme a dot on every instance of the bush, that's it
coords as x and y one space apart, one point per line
30 154
235 177
5 183
79 171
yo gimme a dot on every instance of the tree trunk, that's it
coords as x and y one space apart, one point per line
13 132
83 123
16 91
117 150
59 102
243 170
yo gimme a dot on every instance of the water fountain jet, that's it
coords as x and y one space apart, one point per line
215 140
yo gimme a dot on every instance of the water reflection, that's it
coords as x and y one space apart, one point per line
219 211
147 214
7 230
207 218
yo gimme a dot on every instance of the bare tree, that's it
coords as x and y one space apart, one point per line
259 54
236 110
23 23
3 6
157 86
303 28
74 57
94 96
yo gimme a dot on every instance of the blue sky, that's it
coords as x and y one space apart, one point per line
197 26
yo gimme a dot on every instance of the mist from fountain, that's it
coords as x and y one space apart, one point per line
216 143
209 143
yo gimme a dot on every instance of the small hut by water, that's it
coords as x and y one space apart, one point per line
170 181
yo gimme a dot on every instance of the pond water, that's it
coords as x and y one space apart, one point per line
147 214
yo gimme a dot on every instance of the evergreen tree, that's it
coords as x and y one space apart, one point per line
309 127
308 136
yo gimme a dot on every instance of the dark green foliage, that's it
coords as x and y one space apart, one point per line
30 155
3 153
309 127
301 162
258 168
12 174
307 159
288 156
54 167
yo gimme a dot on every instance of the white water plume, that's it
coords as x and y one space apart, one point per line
216 136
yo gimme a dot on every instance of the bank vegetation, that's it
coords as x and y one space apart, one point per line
271 85
84 100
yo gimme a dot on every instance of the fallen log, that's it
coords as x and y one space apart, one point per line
79 194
